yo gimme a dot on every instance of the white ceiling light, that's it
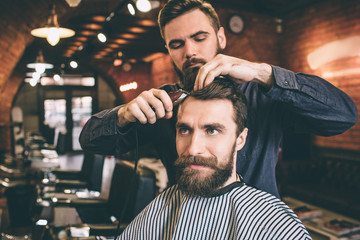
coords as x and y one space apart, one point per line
39 65
102 37
56 77
73 3
33 82
74 64
143 5
52 31
131 8
36 76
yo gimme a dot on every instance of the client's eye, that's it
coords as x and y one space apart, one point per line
212 131
183 131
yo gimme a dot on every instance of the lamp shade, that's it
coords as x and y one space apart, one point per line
52 31
39 65
73 3
53 34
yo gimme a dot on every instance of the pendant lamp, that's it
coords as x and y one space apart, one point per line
52 31
39 65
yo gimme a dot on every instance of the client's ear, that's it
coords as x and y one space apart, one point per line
241 139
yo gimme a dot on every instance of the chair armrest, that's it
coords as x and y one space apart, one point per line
66 174
12 183
70 184
13 173
87 202
94 230
105 229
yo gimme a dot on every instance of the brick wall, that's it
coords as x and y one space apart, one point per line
162 71
333 29
304 31
259 40
139 73
16 22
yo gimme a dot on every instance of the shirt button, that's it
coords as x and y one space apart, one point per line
286 83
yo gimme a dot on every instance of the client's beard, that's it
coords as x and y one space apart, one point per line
190 181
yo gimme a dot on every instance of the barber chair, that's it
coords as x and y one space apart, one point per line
13 167
36 141
80 175
14 171
61 142
22 211
88 187
89 177
129 194
21 204
48 133
13 176
61 192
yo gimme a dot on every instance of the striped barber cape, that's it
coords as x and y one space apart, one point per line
237 211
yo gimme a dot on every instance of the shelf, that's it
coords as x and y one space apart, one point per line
314 225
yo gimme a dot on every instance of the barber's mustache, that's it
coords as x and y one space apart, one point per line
185 161
191 61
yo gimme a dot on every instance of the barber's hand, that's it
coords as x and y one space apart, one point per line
146 108
237 69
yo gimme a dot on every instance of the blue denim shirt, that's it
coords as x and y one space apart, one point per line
300 102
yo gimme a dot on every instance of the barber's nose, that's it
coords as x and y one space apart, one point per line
196 145
189 49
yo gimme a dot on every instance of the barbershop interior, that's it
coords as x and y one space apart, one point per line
64 60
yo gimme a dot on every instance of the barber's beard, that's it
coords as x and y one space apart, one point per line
192 182
188 74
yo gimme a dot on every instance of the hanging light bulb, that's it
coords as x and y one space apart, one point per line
39 65
52 31
118 59
33 82
36 76
74 64
131 8
40 68
53 36
56 77
143 5
102 37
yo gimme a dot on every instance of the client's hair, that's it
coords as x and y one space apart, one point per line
223 88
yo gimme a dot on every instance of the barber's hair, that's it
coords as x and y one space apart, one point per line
223 88
176 8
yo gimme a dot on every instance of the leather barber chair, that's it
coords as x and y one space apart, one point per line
129 194
88 177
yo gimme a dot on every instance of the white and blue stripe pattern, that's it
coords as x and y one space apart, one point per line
242 212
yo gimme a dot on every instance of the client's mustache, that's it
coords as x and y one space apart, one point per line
191 61
185 161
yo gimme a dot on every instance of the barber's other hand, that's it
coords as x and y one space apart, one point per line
237 69
146 108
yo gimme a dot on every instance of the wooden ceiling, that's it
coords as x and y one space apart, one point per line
134 38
